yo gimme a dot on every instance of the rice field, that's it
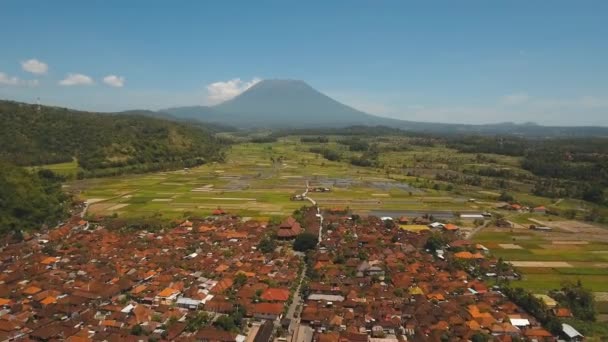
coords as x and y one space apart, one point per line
546 259
258 179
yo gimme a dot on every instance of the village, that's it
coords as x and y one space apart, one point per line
227 278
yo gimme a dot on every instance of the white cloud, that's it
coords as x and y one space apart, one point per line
35 66
221 91
515 99
76 79
114 81
15 81
8 80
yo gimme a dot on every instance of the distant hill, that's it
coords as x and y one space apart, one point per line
102 143
295 104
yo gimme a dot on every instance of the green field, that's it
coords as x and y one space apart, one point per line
250 183
68 169
587 260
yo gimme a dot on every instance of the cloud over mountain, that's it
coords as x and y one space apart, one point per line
225 90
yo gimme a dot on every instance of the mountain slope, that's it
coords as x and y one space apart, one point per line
120 143
290 103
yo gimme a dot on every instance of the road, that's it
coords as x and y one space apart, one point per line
84 210
473 232
297 300
296 330
319 215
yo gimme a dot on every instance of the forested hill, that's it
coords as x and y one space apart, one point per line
103 144
29 200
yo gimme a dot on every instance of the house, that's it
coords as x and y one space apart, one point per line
273 294
404 220
264 332
571 334
540 210
541 228
549 302
539 334
167 296
188 303
468 255
218 212
472 216
562 312
269 311
450 227
289 229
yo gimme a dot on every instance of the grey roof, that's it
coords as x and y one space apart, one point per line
570 331
188 301
325 297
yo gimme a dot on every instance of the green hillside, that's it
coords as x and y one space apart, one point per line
103 144
29 199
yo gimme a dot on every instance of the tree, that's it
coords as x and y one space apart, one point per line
267 245
240 280
479 337
305 242
435 241
137 330
389 224
200 320
225 323
505 197
579 299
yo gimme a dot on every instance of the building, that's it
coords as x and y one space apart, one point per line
289 229
570 333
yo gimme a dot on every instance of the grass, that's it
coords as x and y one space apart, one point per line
67 169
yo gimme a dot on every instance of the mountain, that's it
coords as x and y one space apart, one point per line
278 104
103 144
296 105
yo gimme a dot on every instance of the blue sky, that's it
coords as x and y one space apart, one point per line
444 61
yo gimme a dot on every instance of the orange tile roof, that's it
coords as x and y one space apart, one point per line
32 290
49 260
48 300
139 289
222 268
167 292
275 294
450 226
468 255
562 312
437 296
149 274
537 332
4 301
268 308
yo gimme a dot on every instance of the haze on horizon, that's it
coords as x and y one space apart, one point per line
453 62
